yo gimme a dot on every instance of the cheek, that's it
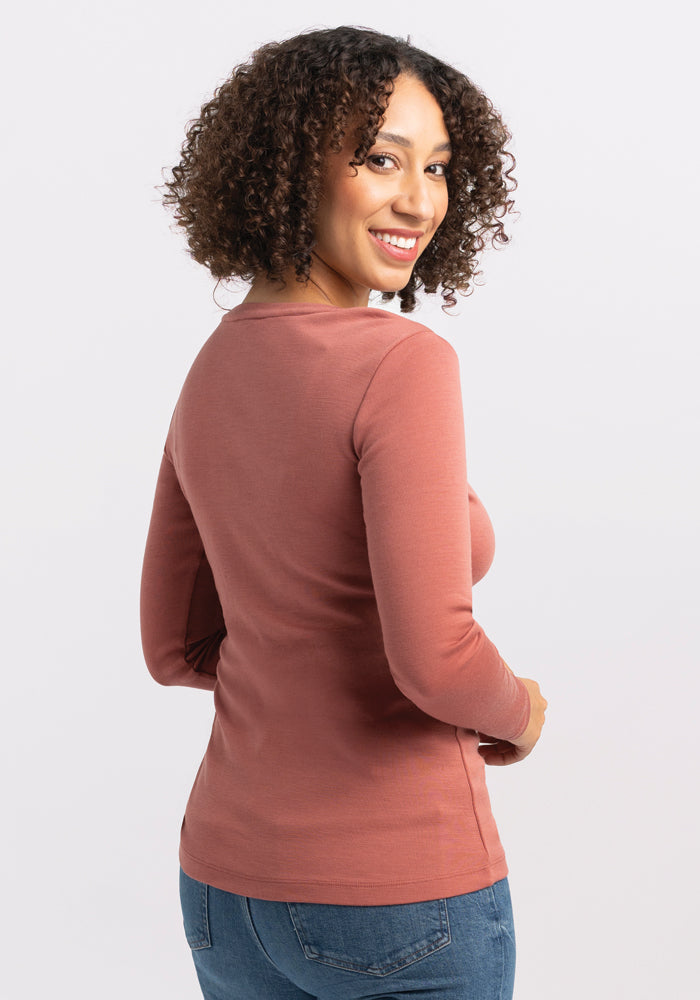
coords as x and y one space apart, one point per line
352 192
358 197
338 211
441 207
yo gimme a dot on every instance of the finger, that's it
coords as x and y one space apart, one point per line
497 759
501 754
494 750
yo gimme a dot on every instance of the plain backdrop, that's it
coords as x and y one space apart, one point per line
579 360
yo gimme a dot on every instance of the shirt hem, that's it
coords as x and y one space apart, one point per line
348 893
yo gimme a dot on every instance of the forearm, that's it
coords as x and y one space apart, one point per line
409 437
182 623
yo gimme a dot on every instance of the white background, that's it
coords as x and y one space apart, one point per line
579 364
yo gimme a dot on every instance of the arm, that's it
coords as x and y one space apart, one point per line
495 751
182 623
409 439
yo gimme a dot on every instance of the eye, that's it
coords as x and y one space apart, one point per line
438 169
381 162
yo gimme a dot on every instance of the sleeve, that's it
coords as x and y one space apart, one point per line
182 623
410 443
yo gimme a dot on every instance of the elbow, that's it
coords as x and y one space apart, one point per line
431 669
430 688
162 671
170 669
164 661
421 687
459 684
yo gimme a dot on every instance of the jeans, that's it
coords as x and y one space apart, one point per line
457 948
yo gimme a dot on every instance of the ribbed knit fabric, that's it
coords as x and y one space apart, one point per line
310 559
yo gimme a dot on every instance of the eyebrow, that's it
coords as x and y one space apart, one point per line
400 140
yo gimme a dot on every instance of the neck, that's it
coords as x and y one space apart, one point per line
324 285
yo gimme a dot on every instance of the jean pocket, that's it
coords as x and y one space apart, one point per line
376 940
194 899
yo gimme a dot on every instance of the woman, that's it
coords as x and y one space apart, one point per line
314 539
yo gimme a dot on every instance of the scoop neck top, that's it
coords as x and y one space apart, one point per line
310 560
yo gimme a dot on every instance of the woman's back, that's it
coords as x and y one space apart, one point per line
315 461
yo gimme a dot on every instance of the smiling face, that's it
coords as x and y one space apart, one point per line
374 224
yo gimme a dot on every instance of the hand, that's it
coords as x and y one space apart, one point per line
500 752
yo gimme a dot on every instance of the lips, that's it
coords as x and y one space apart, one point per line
405 254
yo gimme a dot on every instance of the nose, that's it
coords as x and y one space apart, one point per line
414 197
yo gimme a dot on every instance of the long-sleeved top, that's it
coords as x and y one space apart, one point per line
310 559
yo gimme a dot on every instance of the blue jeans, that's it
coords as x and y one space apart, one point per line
458 948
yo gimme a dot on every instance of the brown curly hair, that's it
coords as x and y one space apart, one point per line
246 190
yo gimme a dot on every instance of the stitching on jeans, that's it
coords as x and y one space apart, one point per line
501 942
205 913
504 932
204 939
258 942
430 948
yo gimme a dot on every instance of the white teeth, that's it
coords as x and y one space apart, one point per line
404 242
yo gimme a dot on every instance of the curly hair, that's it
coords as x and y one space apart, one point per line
246 189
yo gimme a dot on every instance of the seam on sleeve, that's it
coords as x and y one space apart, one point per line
386 354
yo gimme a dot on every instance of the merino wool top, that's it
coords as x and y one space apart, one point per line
310 560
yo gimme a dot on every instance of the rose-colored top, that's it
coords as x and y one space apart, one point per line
310 559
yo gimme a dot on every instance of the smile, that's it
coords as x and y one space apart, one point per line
407 242
403 248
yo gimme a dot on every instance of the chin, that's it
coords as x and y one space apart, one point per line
392 286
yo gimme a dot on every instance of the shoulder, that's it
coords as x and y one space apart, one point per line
416 370
399 335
